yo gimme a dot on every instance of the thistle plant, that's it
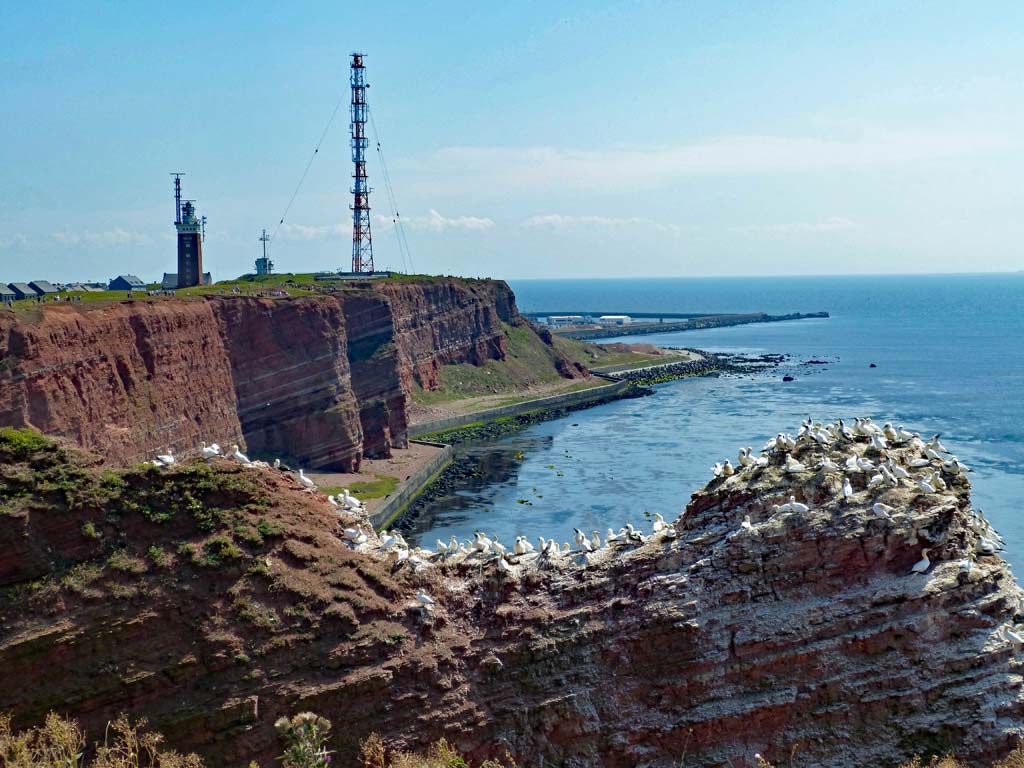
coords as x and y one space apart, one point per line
305 739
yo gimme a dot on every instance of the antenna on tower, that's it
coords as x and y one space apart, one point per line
362 243
264 266
177 195
202 226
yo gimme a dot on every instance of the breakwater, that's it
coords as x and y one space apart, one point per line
690 324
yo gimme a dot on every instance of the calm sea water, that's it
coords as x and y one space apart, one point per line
949 352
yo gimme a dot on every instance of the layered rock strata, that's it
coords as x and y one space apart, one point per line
799 634
323 380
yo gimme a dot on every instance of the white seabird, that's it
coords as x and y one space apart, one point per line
167 459
238 456
208 451
923 564
306 481
847 489
796 506
425 600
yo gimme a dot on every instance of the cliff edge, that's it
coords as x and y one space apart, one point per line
323 380
214 598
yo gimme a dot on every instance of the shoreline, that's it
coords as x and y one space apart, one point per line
461 467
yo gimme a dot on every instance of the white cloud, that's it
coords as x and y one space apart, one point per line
306 232
831 224
563 222
618 169
16 240
116 237
435 222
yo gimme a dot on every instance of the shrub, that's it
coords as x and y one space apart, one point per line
305 739
89 531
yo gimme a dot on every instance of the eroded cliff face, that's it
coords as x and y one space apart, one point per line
802 636
323 380
442 322
129 381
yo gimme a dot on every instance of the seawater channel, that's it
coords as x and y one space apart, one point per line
619 462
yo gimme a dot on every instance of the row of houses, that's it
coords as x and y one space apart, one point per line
38 288
32 290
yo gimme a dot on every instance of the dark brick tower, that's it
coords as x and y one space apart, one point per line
190 247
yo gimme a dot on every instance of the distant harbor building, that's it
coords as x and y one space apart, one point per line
614 320
190 238
170 280
23 290
559 321
43 287
126 283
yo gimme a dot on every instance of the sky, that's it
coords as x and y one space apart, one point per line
522 139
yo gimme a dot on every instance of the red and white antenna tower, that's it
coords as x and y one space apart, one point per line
362 242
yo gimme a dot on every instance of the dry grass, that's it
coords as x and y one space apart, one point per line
375 754
60 743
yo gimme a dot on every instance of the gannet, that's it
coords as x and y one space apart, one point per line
745 458
497 546
579 537
878 443
503 565
985 546
208 451
847 489
612 537
936 445
937 481
442 548
1013 636
659 522
966 565
519 547
864 464
595 539
919 463
746 525
925 486
923 564
792 465
634 535
728 469
876 480
305 480
761 461
898 472
167 459
717 469
882 509
238 456
425 600
903 435
387 540
796 506
890 434
669 532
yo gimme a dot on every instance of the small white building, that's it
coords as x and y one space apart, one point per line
614 320
558 321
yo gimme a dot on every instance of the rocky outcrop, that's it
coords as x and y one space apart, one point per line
799 634
322 379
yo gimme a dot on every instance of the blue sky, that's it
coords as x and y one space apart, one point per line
523 139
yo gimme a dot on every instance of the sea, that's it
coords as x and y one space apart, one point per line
948 352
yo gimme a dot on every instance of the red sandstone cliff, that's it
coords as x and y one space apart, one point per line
324 379
804 638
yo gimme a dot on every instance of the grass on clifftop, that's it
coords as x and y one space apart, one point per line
530 362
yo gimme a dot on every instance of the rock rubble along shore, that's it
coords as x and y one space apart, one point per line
781 618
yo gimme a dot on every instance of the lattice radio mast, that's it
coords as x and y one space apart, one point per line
362 243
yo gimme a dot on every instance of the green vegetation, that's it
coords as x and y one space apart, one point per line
530 362
20 444
383 486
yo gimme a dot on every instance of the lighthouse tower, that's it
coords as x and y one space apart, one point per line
190 240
